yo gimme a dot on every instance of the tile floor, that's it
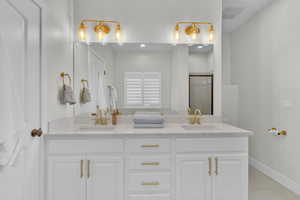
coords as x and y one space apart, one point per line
262 187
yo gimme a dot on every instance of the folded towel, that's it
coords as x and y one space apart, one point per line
148 125
85 95
148 118
67 95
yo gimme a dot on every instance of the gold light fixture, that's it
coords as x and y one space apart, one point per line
101 28
177 32
118 32
82 32
193 30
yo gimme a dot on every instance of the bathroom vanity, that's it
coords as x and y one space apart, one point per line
206 162
177 162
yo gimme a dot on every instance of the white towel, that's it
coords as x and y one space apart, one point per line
113 97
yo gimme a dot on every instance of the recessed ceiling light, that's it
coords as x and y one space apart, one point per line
200 46
142 45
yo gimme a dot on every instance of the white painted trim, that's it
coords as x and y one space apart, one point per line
275 175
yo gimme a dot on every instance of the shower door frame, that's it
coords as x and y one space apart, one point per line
212 89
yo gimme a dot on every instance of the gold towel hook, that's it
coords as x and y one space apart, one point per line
85 81
63 75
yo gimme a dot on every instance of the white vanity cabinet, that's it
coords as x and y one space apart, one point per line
104 178
149 167
212 177
84 169
230 179
192 178
65 178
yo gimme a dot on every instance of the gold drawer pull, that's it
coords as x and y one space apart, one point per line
150 146
150 183
81 168
217 166
150 163
210 166
88 168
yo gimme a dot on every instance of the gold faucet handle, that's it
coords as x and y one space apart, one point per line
197 112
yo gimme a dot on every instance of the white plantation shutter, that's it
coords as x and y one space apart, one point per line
143 89
134 89
151 89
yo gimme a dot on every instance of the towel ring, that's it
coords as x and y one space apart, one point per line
85 81
63 75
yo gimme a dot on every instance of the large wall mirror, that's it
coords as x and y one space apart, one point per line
143 77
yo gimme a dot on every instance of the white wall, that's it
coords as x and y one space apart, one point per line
58 52
143 61
265 66
149 21
180 79
226 58
198 62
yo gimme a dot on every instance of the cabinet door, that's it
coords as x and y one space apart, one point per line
192 178
104 178
65 178
231 177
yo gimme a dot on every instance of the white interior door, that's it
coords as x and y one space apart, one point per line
20 62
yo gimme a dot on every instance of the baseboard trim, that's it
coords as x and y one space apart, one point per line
275 175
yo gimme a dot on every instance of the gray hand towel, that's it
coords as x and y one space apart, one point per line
85 95
148 118
67 95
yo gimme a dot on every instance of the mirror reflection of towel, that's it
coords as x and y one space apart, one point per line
67 95
113 97
85 96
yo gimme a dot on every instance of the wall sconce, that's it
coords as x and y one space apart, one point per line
101 28
193 30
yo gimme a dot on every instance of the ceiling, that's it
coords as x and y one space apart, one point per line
237 12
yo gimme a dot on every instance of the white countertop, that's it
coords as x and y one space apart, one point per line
207 130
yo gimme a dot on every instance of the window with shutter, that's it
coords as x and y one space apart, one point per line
143 90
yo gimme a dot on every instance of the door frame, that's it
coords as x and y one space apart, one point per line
210 75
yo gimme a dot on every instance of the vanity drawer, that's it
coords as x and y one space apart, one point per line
212 145
143 182
149 163
148 146
150 197
85 146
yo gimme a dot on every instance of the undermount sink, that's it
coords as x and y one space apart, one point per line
96 127
200 127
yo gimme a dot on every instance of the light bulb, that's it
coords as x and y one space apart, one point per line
194 36
82 32
177 33
100 35
211 37
211 34
118 33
